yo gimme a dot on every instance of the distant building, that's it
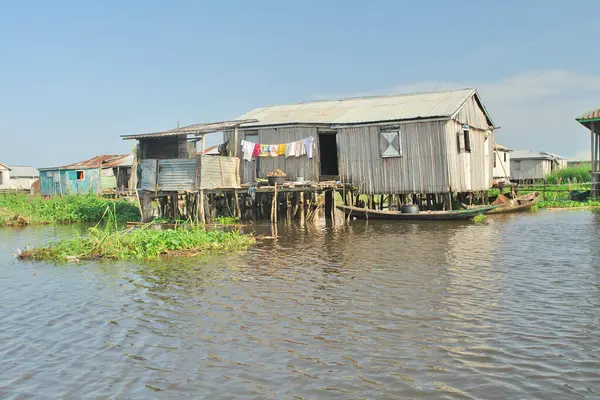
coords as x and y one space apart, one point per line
528 166
501 162
16 177
96 175
591 120
4 177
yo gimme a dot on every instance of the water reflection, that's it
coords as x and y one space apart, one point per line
359 310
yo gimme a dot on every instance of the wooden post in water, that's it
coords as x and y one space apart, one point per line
236 206
328 204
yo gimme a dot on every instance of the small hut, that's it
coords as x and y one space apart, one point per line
591 120
529 166
171 171
91 176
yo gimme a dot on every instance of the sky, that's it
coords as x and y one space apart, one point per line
75 75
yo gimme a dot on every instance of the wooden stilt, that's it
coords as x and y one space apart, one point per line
236 205
202 210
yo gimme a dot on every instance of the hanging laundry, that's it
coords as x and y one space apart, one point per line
282 149
273 150
309 146
248 149
300 149
290 150
256 150
264 150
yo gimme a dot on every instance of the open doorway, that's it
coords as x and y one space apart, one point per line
328 154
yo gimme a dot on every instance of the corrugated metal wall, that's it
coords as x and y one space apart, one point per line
177 174
181 174
293 166
52 180
421 169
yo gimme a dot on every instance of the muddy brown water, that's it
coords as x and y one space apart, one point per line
506 309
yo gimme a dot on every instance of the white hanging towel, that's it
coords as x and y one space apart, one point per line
309 146
247 149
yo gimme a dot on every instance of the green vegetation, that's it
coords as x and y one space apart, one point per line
143 243
226 220
20 209
479 219
568 204
571 174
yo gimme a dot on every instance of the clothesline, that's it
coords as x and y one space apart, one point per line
299 148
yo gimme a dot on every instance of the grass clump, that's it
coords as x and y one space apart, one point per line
20 209
572 174
479 219
143 243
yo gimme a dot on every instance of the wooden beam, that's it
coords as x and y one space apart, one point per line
593 147
235 141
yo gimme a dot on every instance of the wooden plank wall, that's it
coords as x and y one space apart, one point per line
422 168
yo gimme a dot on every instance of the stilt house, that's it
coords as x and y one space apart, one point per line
424 143
591 120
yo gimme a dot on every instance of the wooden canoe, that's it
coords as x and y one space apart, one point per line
364 213
518 204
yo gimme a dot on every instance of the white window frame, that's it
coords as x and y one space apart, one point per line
391 130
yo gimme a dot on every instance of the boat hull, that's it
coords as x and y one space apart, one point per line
519 204
363 213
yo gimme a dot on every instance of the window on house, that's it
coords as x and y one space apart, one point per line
504 157
80 175
467 135
494 162
516 165
464 140
1 178
390 144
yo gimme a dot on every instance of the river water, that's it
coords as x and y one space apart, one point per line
506 309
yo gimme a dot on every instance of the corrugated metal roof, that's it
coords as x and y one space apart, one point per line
3 166
363 109
196 129
94 162
119 161
20 171
526 154
590 115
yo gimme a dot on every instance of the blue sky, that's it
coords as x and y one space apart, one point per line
74 75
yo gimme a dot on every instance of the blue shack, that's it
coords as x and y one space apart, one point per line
85 177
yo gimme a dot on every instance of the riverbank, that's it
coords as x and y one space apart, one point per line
145 243
20 209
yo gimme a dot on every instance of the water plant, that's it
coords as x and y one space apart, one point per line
140 243
569 204
479 219
19 209
226 220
